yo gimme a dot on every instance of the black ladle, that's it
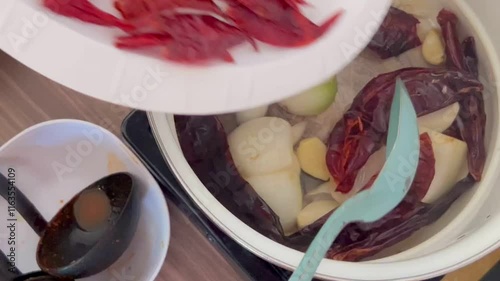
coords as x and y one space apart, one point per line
68 249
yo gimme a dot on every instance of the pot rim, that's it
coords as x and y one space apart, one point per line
465 250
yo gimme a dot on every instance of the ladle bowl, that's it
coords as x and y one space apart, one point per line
68 250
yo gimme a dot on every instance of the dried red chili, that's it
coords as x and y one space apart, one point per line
425 170
85 11
277 23
273 10
364 126
203 5
142 40
199 38
360 240
471 123
132 9
454 56
204 144
472 117
471 61
189 38
396 35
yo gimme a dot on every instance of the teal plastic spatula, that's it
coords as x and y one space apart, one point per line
388 190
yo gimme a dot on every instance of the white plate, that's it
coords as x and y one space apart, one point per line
55 160
82 57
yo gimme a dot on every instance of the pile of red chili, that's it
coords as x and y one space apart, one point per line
206 33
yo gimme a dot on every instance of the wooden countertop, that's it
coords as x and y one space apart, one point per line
27 98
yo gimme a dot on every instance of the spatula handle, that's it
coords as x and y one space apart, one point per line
318 248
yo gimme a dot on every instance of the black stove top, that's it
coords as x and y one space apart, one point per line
137 134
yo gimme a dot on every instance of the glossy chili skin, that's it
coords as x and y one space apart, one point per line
204 144
471 61
454 55
277 23
199 38
471 122
396 35
133 9
142 40
279 11
360 240
187 38
363 129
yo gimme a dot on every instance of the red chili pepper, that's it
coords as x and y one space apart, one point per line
274 10
472 117
360 240
425 170
189 38
277 23
471 61
364 126
85 11
140 41
454 56
194 38
132 9
202 5
204 144
396 35
471 122
199 37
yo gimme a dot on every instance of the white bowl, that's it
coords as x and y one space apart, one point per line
55 160
82 57
468 231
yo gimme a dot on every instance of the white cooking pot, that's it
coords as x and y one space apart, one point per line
468 231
